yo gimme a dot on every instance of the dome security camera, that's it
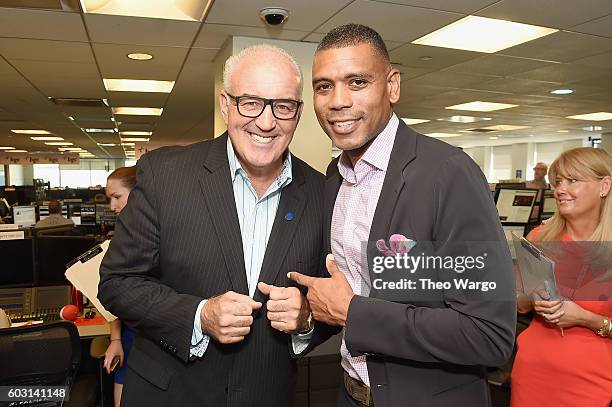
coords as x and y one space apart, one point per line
274 16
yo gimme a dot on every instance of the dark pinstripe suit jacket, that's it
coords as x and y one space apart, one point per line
178 241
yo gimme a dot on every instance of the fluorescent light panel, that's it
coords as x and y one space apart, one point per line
505 127
17 151
30 131
136 133
138 111
48 138
481 34
479 106
410 122
188 10
139 56
463 119
7 148
598 117
96 130
141 139
58 143
138 85
443 135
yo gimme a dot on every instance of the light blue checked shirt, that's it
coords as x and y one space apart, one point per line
256 216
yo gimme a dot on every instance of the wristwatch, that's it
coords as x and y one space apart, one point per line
310 326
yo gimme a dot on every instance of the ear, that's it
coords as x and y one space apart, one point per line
393 85
223 103
604 185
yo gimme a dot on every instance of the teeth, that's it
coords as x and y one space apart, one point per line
260 139
344 124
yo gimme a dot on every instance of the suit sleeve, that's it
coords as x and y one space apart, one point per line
467 331
129 274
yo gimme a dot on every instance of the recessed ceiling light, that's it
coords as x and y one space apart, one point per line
128 144
598 117
7 148
138 85
108 144
141 139
16 151
505 127
69 148
463 119
561 91
442 135
493 138
562 131
188 10
425 58
135 133
481 34
140 56
138 111
30 131
414 121
58 143
479 106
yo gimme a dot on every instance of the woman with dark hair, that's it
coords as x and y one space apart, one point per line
119 184
564 358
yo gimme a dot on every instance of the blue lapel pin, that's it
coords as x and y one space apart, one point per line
289 216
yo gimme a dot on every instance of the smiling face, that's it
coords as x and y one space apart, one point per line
354 88
581 197
260 142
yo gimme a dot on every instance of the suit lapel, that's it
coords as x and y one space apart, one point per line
404 151
332 186
293 200
216 185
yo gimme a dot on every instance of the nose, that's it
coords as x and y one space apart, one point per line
341 98
266 120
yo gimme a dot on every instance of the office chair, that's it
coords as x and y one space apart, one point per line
41 355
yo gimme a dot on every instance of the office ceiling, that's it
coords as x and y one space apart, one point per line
51 49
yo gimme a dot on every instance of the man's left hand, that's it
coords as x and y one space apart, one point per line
288 310
329 298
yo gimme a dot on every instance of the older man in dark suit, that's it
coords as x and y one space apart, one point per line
198 265
406 342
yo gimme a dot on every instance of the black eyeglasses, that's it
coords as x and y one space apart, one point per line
253 106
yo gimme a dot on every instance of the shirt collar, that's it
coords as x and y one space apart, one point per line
376 156
284 178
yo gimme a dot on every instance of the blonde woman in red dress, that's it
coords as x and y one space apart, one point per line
564 358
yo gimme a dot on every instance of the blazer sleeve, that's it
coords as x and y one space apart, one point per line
130 285
466 331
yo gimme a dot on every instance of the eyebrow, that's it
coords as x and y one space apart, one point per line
349 75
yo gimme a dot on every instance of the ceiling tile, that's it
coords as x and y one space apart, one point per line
497 65
463 6
214 35
304 15
548 13
425 57
393 22
601 26
140 31
24 23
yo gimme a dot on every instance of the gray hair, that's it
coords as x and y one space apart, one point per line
261 50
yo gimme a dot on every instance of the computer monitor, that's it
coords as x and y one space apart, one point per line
74 212
105 216
88 214
54 252
550 206
17 263
24 215
515 205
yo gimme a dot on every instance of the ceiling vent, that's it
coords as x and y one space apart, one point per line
75 102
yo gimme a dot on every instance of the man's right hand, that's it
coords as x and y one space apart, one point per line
228 317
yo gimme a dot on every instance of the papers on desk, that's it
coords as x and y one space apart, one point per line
84 274
537 271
